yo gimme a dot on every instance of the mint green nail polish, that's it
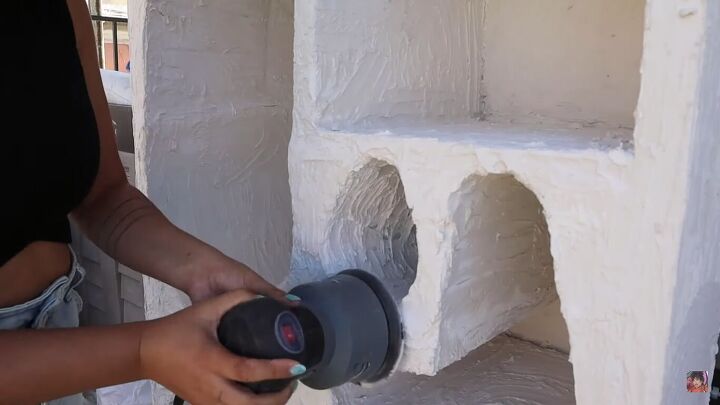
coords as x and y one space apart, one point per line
297 370
292 297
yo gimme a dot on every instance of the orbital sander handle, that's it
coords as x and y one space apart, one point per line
347 329
267 329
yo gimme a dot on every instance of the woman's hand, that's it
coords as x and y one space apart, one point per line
216 274
182 353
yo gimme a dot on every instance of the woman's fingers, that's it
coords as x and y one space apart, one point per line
243 369
182 352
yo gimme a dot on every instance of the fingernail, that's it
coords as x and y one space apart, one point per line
292 297
297 370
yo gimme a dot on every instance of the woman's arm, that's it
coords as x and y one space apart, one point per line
46 364
180 351
128 226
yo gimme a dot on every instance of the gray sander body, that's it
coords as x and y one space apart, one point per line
347 328
362 329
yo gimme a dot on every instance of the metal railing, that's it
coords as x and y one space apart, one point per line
115 21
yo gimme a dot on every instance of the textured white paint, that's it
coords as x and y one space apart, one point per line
382 61
503 371
501 265
695 320
372 228
545 326
564 59
328 158
212 99
633 236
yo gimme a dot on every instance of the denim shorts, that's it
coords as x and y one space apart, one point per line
57 307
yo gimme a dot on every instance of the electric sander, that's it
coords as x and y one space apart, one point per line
346 329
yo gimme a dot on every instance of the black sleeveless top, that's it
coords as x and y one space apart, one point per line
51 147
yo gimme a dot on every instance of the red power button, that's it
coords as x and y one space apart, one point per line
288 332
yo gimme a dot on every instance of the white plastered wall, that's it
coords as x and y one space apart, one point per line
555 88
695 321
212 85
422 69
575 61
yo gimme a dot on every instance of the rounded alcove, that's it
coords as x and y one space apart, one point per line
501 268
372 227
